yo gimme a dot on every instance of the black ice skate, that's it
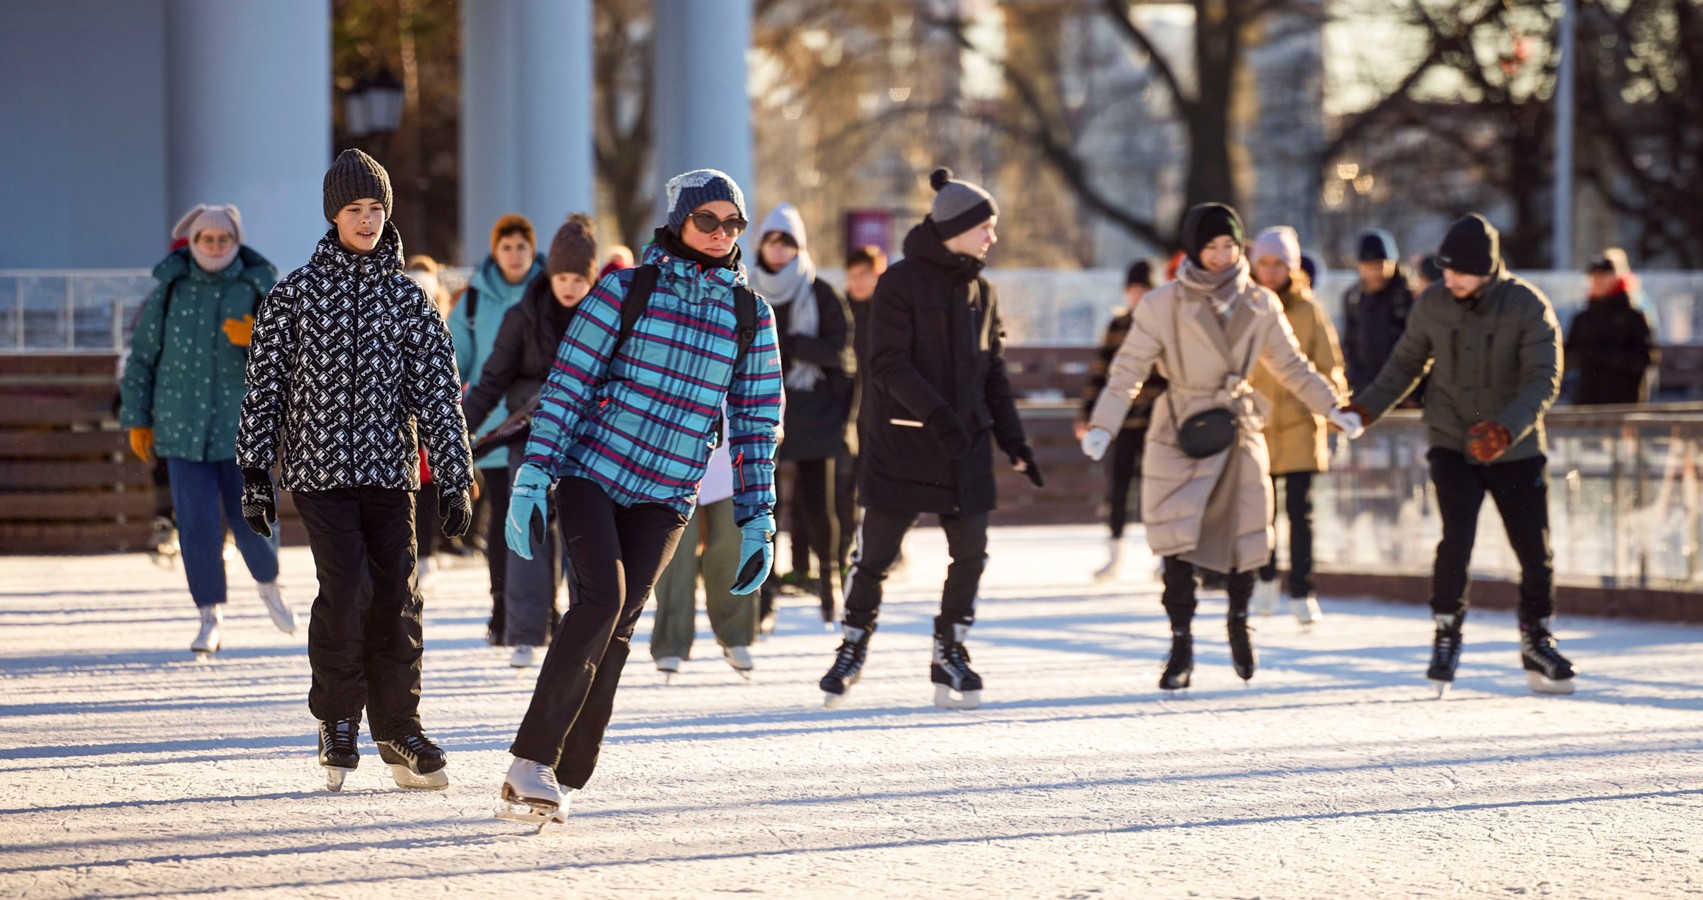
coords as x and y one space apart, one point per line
531 795
1243 657
338 750
1547 671
1179 665
1445 652
848 666
950 671
415 762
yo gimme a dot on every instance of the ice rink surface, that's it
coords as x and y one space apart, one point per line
127 769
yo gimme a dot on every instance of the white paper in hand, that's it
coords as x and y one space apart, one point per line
1095 442
1349 422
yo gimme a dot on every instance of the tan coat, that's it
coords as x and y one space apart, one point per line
1213 512
1294 434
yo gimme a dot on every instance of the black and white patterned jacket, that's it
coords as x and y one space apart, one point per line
349 359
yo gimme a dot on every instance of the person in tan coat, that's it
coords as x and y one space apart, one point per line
1208 506
1295 436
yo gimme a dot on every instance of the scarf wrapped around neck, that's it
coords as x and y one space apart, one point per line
1221 288
795 286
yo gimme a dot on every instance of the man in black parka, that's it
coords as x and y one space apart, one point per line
939 400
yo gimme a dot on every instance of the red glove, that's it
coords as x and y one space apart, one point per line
1488 441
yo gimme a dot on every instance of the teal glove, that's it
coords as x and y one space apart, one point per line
524 528
756 552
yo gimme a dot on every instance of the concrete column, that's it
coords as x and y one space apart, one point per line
702 104
249 110
526 116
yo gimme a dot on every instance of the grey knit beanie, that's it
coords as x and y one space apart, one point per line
958 205
690 190
355 176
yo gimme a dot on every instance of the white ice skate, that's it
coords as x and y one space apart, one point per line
522 656
282 615
740 659
1265 597
531 795
1114 561
207 641
1306 610
669 666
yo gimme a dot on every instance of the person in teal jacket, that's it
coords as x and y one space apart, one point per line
496 287
181 397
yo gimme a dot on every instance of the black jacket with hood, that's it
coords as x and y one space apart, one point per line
522 354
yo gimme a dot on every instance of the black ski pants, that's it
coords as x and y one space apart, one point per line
496 494
364 644
1521 492
848 467
1125 473
878 541
1179 595
615 554
1297 489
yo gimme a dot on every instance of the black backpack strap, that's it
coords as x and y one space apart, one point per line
745 313
633 305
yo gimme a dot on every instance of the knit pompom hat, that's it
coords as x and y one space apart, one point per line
690 190
355 176
573 251
958 205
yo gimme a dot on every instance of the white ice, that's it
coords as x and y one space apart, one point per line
129 770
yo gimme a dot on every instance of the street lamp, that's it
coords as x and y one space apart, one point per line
373 106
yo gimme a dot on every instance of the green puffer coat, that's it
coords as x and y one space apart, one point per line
184 378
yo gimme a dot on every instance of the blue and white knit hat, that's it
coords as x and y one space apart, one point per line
690 190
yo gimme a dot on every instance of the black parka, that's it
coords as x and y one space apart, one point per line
816 419
521 355
1609 345
935 342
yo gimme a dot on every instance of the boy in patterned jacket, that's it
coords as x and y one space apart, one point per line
624 429
350 368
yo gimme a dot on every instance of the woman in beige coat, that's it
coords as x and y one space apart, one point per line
1294 434
1205 332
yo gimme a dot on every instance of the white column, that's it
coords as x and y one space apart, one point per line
702 104
490 112
249 105
556 158
526 116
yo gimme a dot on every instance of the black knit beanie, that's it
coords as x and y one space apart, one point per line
1472 247
958 205
1140 273
1204 222
573 251
355 176
1377 245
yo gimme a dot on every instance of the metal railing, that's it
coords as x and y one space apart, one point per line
1625 504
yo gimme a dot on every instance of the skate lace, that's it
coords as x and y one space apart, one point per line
544 775
954 654
845 660
342 736
415 744
1542 646
1448 644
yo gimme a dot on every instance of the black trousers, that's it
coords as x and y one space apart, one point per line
496 494
1521 492
426 520
615 554
363 639
811 520
1297 489
1125 472
848 467
1179 595
878 542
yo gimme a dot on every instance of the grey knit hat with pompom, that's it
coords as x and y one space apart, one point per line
958 205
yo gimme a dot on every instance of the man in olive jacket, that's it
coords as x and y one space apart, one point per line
1492 346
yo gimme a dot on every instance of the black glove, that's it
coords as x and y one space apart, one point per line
1023 460
949 433
259 503
455 508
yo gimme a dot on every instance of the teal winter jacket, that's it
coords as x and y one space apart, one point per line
184 378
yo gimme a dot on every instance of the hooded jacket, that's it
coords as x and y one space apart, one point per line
1493 358
521 356
1296 436
1372 325
350 364
640 423
184 378
478 316
1609 344
935 343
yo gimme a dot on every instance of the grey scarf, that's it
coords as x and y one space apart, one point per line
795 286
1222 288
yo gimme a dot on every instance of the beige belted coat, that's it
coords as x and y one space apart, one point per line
1214 512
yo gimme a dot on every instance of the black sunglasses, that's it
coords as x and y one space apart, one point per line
709 224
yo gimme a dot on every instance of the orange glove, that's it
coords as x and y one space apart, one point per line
240 331
142 443
1488 441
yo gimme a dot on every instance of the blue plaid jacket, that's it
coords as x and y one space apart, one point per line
641 424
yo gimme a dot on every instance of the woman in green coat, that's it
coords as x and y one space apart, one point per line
182 394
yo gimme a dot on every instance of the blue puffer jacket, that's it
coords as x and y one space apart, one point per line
474 338
184 377
641 425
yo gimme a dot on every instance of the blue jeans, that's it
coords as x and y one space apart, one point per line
208 496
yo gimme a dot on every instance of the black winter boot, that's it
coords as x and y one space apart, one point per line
1179 665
